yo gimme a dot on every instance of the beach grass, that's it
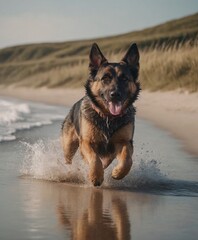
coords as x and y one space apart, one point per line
170 69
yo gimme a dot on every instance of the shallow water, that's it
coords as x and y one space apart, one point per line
42 198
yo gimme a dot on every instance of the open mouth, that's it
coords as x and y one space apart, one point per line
115 108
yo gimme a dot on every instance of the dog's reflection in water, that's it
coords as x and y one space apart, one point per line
97 214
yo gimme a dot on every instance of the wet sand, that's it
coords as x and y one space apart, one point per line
176 112
157 200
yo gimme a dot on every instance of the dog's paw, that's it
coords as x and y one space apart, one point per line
97 182
96 173
121 170
119 173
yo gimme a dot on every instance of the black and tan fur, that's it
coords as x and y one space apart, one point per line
101 124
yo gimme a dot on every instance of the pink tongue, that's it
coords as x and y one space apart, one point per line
115 108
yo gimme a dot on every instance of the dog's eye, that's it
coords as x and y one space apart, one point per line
123 77
106 78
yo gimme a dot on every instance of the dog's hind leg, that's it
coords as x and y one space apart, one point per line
70 143
124 157
106 161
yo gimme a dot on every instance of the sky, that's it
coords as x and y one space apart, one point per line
34 21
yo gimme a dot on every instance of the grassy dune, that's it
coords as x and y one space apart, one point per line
169 58
173 68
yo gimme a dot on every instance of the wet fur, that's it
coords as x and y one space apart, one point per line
90 126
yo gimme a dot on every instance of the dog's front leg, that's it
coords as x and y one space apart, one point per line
124 157
96 172
70 142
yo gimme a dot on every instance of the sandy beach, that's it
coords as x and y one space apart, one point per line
174 111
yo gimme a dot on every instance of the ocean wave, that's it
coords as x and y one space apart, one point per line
7 138
16 115
11 112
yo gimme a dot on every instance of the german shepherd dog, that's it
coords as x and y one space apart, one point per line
101 124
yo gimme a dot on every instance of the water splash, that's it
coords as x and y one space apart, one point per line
44 160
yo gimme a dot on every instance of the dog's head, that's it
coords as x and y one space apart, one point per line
113 87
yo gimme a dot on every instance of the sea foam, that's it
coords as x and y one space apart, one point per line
16 115
11 112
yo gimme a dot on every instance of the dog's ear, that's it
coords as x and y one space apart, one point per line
132 56
96 58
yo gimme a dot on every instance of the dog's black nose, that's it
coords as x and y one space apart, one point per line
115 94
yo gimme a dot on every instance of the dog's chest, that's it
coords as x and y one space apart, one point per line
103 148
108 126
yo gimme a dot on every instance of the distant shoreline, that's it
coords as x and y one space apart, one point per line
173 111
